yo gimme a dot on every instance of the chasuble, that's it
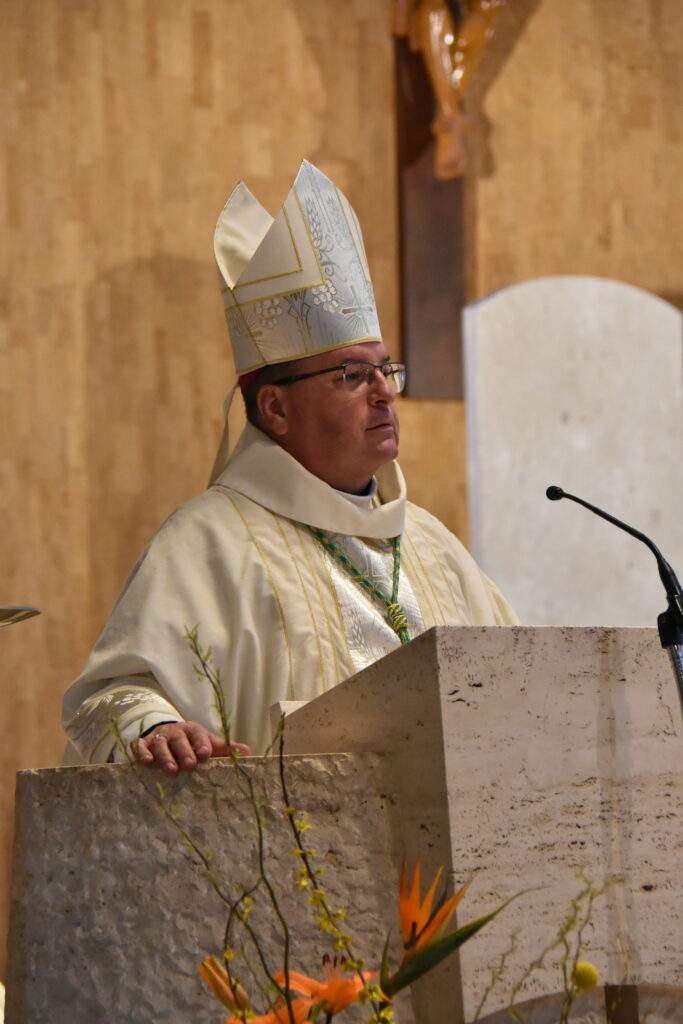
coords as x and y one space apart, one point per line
283 617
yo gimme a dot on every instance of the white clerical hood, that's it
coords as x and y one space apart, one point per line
263 471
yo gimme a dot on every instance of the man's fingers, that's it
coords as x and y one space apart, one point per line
182 750
182 745
141 751
199 737
158 744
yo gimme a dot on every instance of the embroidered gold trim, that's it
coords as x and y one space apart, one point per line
458 602
276 595
418 577
92 724
284 273
304 541
305 593
429 580
288 291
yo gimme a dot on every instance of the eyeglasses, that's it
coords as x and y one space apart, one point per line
356 374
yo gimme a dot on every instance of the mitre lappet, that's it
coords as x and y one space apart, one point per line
295 284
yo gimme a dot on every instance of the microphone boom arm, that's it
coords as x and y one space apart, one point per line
669 622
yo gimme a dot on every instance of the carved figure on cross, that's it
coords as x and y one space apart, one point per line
452 37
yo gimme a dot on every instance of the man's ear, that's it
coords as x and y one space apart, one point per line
272 409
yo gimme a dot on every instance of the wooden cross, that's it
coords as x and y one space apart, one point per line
438 46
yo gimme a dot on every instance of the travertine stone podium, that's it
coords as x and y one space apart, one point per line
110 916
576 381
518 758
515 757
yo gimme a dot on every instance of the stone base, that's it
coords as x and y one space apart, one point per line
111 915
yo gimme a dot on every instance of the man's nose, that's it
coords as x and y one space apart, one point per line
382 387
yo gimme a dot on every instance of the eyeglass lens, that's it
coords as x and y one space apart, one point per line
394 373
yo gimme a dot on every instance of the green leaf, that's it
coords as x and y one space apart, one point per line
434 952
384 976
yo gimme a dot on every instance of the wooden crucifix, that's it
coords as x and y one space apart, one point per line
439 43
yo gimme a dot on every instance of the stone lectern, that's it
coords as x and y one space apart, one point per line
517 758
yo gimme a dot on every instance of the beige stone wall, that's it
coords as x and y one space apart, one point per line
124 124
578 146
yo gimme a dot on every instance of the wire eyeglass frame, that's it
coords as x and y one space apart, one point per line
395 371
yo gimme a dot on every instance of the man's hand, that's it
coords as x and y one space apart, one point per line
176 746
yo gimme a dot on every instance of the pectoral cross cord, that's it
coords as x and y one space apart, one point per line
395 615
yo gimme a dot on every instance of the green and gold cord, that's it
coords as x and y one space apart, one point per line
395 615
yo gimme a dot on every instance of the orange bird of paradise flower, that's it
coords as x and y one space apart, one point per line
423 924
420 925
336 992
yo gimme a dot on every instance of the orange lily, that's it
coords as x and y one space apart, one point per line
280 1014
419 924
228 992
335 993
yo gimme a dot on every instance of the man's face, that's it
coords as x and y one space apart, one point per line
339 431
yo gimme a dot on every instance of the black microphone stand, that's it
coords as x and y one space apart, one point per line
669 622
670 625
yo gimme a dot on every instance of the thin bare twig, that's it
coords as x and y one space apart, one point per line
212 676
321 901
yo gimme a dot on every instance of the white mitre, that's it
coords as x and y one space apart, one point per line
296 284
293 285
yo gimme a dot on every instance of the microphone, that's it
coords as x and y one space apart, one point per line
670 622
666 573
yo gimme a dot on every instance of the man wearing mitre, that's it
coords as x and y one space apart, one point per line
303 562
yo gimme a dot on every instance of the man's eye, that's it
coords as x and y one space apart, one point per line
355 375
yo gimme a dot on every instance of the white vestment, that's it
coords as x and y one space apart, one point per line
283 618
